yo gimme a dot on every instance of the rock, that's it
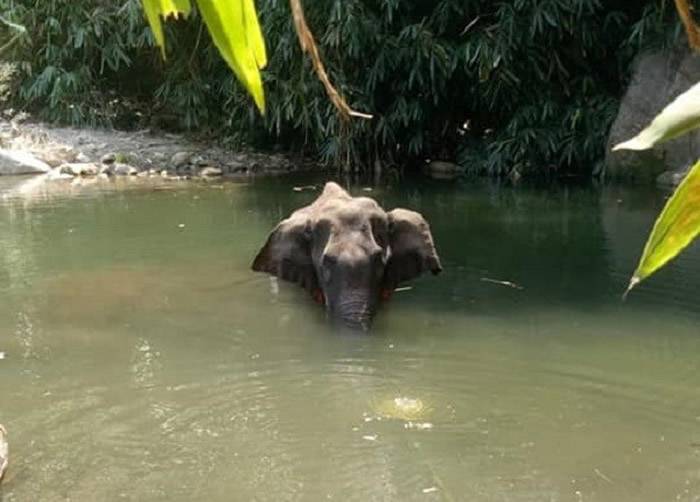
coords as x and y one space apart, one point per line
58 174
79 169
180 159
200 161
210 172
670 178
184 168
107 170
657 79
81 157
4 451
108 158
21 162
120 169
55 156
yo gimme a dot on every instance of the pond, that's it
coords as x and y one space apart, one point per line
141 359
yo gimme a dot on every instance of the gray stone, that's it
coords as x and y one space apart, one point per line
670 178
180 159
79 169
108 158
657 79
210 172
120 169
200 161
58 174
21 162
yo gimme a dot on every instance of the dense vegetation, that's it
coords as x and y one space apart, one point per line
531 85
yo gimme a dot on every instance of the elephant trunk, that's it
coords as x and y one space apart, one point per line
354 311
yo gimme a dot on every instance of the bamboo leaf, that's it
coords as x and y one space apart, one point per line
676 227
254 34
155 9
235 30
236 33
680 116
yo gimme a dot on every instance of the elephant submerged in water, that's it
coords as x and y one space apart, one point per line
349 253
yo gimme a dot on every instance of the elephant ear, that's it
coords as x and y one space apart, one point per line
412 248
287 253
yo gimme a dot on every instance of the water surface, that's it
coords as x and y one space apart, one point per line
142 360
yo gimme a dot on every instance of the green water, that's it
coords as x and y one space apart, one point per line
142 360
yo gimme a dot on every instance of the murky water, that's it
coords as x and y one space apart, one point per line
140 359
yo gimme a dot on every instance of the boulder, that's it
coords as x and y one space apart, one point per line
657 79
180 159
21 162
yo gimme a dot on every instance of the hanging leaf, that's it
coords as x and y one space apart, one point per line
155 9
254 34
234 28
675 228
681 116
236 33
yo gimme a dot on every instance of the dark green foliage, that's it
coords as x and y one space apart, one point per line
531 85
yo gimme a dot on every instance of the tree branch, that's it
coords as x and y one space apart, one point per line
308 44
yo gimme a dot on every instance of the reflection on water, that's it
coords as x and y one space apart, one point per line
144 361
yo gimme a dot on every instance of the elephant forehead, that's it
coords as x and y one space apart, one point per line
351 210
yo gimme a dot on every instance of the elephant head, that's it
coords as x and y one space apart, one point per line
349 253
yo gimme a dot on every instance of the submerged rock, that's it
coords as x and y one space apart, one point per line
440 170
21 162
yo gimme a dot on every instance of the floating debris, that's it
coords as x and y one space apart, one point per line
372 437
4 451
404 288
303 188
430 489
2 356
502 283
181 225
601 475
419 426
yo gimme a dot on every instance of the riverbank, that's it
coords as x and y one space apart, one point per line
30 147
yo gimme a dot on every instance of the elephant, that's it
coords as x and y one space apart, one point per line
348 253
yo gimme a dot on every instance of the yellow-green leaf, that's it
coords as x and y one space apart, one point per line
155 9
675 228
236 33
254 34
680 116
